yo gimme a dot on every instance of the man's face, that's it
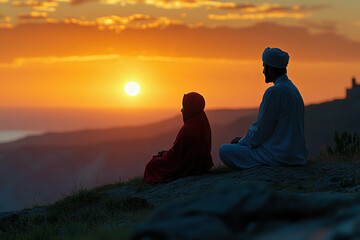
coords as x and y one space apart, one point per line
266 74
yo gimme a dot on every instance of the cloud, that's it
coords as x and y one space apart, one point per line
255 16
111 57
270 8
79 2
174 41
51 20
21 61
5 18
25 4
117 23
320 26
297 8
234 6
264 11
109 2
6 25
48 6
5 22
166 4
113 19
260 11
33 15
180 4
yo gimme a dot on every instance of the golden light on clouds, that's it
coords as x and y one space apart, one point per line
180 4
25 4
117 23
255 16
48 6
122 20
120 2
108 21
18 62
80 22
33 15
264 11
5 22
51 20
6 25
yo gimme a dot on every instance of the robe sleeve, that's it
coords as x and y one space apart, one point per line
262 129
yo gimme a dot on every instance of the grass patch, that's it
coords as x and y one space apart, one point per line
32 233
135 182
74 202
112 218
127 203
83 214
325 156
345 149
75 230
109 233
86 214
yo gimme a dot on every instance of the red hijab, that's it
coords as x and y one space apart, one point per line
190 154
193 104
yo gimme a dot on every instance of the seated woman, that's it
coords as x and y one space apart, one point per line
190 154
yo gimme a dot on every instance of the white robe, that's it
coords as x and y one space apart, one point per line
277 137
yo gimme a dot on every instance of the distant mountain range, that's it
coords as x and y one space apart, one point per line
41 168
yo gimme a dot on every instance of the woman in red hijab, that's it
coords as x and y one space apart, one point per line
190 154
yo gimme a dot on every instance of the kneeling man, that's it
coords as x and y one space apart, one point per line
277 137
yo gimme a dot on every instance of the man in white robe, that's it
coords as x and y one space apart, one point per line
277 137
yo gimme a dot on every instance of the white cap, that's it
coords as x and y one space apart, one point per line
275 57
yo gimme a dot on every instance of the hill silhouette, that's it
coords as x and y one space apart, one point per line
40 168
321 121
94 136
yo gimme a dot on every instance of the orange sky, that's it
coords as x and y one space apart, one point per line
49 60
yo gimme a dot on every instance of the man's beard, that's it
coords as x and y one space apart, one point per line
267 78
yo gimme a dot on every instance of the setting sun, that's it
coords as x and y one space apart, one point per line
132 89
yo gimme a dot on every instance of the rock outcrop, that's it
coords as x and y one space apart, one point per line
254 212
340 178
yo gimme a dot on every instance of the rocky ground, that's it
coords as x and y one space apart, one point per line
253 211
308 201
317 201
335 178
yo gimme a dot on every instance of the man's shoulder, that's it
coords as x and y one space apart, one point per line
277 91
280 87
273 90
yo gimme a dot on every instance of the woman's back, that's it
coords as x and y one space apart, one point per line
190 154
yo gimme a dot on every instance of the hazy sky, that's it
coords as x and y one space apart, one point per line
81 53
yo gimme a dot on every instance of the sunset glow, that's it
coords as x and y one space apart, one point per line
65 54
